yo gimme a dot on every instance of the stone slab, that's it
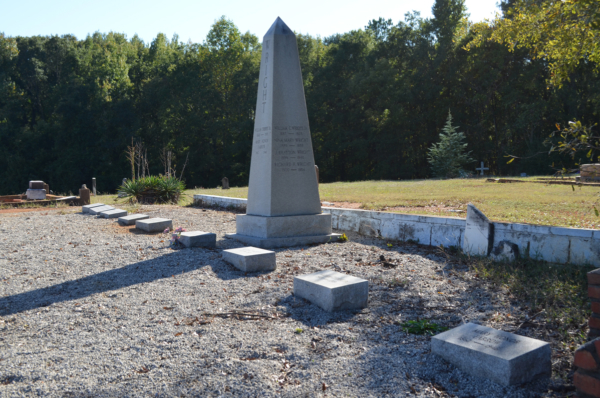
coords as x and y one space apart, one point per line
332 291
478 233
503 357
94 211
198 239
116 213
36 184
283 227
154 224
86 209
251 259
36 194
269 243
131 219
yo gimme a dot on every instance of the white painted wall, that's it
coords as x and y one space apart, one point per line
553 244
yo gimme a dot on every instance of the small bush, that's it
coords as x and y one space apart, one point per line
153 189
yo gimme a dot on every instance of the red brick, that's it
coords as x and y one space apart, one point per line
594 322
593 333
585 360
586 384
594 277
596 307
594 291
597 345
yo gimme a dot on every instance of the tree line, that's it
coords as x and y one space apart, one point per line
377 100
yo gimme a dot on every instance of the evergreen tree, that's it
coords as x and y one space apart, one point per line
449 155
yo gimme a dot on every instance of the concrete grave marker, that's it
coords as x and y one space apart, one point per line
478 238
131 219
332 291
97 210
86 208
36 194
154 224
94 185
482 169
500 356
116 213
36 184
225 183
283 183
251 259
198 239
84 195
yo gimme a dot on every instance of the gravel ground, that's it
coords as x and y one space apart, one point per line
89 308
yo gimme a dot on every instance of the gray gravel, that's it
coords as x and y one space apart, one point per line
89 308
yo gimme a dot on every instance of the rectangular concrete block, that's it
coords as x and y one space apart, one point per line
332 291
94 211
131 219
284 226
86 209
116 213
36 194
251 259
36 184
154 224
503 357
198 239
478 230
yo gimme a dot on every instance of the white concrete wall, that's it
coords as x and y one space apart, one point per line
553 244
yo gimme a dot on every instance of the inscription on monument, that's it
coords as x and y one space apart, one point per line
488 339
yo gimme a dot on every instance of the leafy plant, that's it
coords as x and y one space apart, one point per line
343 238
298 330
423 326
153 189
448 156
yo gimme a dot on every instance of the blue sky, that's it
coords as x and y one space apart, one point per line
191 20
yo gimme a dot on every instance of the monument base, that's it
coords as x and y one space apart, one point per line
270 243
283 226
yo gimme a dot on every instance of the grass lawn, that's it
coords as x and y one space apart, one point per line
532 203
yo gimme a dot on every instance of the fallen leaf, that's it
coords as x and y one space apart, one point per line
324 386
143 370
178 334
168 308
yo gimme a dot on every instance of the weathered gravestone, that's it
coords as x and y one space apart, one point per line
225 183
332 291
283 208
94 185
84 195
503 357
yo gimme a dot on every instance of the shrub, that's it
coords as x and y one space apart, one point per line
153 189
448 156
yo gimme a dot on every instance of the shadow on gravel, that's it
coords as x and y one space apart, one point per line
141 272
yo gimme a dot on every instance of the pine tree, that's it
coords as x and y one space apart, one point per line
448 156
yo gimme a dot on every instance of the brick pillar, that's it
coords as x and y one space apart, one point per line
587 375
594 294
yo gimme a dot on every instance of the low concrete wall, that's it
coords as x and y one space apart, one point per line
553 244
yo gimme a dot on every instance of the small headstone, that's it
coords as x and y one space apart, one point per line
131 219
503 357
94 185
122 194
251 259
84 195
47 188
36 194
154 224
36 184
97 210
86 208
198 239
116 213
523 174
482 169
225 183
476 240
332 291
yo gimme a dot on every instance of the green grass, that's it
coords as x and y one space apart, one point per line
557 205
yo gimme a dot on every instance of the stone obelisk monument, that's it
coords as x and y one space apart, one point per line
284 208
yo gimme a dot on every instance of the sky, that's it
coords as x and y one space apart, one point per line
192 20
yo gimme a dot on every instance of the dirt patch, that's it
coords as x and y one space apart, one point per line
442 210
38 209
